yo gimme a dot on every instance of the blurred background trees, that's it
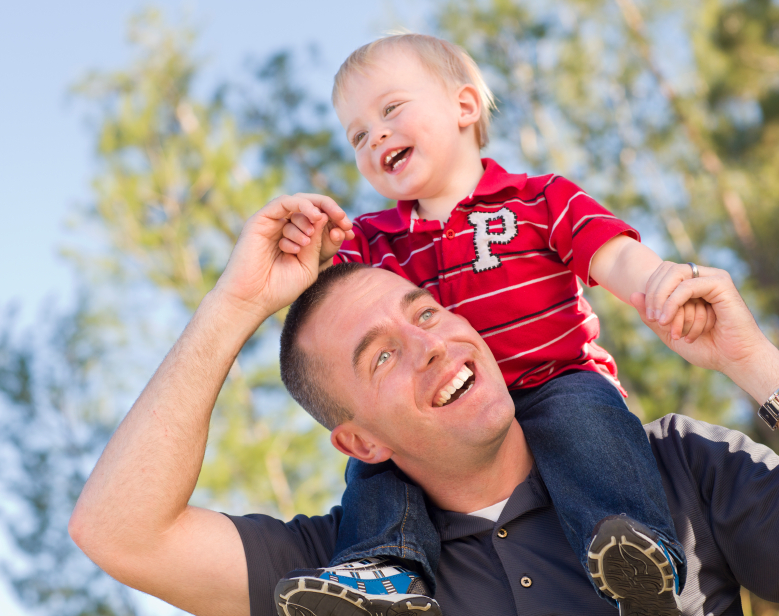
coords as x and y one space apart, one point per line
667 113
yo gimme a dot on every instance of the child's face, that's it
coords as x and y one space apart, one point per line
404 125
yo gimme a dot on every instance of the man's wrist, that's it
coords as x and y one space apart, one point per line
234 322
759 376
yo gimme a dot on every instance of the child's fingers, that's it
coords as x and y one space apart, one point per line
689 316
711 318
302 223
699 321
677 324
288 246
331 208
336 235
294 234
652 303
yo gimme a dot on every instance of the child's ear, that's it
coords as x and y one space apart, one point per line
470 105
355 443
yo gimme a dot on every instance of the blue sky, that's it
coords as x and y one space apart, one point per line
46 159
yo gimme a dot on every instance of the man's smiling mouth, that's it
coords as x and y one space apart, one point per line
456 388
396 158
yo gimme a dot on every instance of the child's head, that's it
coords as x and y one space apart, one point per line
411 95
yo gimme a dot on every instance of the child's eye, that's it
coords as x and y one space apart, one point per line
426 315
384 356
389 109
357 138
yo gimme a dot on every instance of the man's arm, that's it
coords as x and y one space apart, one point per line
734 346
133 518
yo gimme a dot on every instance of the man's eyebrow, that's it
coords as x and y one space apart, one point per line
412 296
365 342
376 331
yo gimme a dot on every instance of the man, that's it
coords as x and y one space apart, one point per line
134 521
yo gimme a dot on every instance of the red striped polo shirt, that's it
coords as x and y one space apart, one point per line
509 259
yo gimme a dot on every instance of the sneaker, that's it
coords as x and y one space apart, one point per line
630 564
368 587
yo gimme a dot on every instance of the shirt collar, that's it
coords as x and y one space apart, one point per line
494 180
528 495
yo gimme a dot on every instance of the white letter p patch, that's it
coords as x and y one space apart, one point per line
483 238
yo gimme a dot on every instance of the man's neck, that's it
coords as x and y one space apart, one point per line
461 182
479 485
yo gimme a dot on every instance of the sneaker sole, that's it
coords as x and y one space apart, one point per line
315 597
632 570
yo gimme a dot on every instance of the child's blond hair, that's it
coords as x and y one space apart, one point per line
445 60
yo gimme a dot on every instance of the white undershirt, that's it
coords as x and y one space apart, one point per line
492 512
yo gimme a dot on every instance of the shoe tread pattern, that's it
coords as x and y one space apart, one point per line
295 597
633 571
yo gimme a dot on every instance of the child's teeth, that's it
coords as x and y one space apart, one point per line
397 164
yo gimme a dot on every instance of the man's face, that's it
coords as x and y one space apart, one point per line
403 124
391 351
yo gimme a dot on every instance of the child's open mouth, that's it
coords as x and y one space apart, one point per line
395 160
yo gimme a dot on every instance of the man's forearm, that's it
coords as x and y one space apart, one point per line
148 471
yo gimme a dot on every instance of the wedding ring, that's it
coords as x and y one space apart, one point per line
695 272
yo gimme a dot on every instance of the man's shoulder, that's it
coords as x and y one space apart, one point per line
696 444
273 548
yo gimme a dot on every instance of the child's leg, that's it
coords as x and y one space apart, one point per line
384 514
595 459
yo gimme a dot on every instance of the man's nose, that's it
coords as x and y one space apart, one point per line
428 348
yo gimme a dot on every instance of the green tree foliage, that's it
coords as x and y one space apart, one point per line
179 174
56 391
667 113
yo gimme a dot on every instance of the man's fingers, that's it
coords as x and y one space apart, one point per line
704 288
653 304
331 208
285 206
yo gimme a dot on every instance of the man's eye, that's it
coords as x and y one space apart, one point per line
426 315
389 109
357 138
384 356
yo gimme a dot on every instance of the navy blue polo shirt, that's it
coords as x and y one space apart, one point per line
723 492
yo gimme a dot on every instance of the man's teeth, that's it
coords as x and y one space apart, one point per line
457 382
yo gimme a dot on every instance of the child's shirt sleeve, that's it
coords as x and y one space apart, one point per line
356 250
579 226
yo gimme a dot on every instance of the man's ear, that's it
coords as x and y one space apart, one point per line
470 105
356 443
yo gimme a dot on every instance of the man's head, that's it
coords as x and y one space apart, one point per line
368 354
413 106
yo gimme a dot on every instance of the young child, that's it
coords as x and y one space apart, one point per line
505 252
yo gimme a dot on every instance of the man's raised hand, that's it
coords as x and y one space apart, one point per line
298 231
734 345
260 277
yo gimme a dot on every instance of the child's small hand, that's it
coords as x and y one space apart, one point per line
297 232
692 319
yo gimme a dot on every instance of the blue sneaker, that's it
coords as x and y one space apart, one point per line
368 587
630 564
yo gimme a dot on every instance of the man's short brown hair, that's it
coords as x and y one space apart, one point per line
302 372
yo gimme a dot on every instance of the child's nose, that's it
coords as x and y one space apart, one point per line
380 137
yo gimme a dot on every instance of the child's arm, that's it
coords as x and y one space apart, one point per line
300 227
624 266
